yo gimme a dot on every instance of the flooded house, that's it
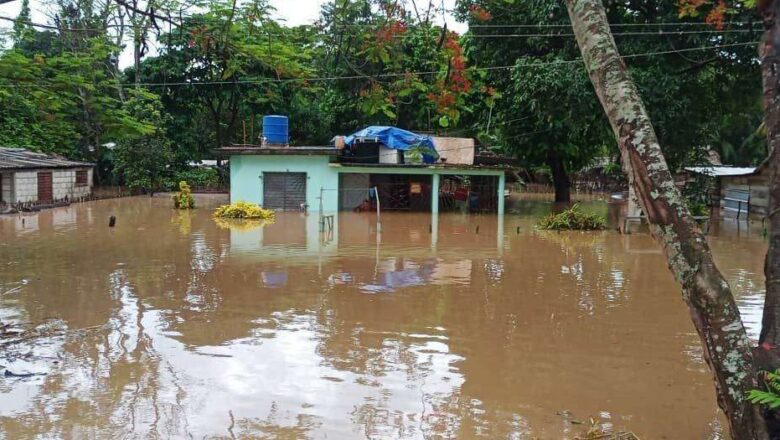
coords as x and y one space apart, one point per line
378 168
31 177
740 192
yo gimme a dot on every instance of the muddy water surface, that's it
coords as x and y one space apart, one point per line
431 329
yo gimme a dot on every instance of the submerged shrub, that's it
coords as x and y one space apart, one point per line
573 219
183 199
244 210
238 224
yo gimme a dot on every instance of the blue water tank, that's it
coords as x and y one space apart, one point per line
275 130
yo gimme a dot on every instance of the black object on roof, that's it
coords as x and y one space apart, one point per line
20 159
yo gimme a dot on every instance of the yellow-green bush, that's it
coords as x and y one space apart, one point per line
573 219
239 224
244 210
183 199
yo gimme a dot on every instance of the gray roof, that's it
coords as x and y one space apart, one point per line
20 159
722 171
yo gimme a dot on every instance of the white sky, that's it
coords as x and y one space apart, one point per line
292 12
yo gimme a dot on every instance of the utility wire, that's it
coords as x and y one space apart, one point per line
546 25
400 74
508 26
657 33
682 23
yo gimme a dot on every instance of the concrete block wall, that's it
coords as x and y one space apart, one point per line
25 186
64 184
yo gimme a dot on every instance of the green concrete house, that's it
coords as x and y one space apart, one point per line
322 179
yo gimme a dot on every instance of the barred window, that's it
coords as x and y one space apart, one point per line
81 178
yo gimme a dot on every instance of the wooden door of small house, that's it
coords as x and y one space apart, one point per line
284 191
45 190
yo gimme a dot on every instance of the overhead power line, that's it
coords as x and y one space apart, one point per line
396 75
710 29
613 25
562 25
647 33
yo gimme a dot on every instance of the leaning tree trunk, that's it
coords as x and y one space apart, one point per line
769 340
705 291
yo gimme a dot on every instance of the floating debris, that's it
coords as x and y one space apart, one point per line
597 432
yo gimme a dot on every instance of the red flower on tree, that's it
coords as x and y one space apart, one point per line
479 13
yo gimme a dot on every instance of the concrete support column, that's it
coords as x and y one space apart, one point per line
435 194
500 235
434 230
501 188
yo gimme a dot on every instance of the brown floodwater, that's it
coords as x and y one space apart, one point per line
455 327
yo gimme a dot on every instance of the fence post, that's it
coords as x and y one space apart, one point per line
322 218
378 211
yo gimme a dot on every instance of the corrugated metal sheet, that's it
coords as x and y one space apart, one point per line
19 158
284 191
719 171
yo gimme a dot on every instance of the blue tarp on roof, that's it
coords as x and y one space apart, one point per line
395 138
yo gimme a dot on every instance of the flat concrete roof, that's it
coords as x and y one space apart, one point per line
237 150
439 168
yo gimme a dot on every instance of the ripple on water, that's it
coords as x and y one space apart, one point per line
281 331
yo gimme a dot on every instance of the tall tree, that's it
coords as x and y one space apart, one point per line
696 98
22 29
406 71
711 304
143 159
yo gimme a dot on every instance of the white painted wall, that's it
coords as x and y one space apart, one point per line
63 185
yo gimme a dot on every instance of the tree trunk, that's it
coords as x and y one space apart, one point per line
770 328
137 58
560 178
707 294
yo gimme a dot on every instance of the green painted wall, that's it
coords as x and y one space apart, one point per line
246 183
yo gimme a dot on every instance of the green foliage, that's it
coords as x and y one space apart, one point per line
225 67
415 153
143 160
549 109
203 178
183 199
59 92
388 41
697 194
246 53
771 397
244 210
573 218
22 31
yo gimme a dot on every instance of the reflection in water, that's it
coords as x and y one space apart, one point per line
432 327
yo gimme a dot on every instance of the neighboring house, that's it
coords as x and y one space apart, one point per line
27 176
739 191
330 179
